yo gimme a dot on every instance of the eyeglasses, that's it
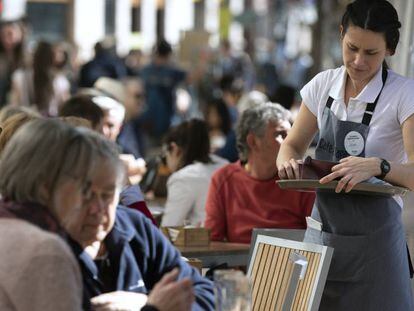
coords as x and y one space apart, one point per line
90 195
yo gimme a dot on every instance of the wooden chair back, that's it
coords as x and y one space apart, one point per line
287 275
288 234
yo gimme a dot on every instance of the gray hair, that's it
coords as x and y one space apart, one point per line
250 100
46 152
255 120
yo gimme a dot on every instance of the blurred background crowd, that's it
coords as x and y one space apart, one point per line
196 95
135 68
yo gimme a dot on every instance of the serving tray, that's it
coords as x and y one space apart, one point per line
361 188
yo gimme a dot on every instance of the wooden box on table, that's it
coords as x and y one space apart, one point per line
187 236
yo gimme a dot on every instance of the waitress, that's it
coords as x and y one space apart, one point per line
364 114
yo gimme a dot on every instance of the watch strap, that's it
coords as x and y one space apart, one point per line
385 168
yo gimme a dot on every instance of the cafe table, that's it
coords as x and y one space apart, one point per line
234 254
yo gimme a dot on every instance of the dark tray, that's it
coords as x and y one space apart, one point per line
361 188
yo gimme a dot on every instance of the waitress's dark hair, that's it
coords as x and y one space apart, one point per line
192 137
375 15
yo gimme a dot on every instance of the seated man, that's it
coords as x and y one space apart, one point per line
83 106
114 95
244 195
86 107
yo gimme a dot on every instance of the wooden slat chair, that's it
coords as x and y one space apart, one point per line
287 275
288 234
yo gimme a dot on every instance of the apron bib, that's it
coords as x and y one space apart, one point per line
369 264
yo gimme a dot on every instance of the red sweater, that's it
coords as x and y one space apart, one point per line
237 203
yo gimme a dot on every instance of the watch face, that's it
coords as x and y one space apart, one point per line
385 167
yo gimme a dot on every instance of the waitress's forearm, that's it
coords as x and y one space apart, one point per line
287 152
401 174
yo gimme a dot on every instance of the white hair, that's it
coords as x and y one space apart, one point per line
250 100
110 105
254 120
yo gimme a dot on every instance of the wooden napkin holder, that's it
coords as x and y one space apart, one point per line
183 236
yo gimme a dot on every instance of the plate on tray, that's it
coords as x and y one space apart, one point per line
361 188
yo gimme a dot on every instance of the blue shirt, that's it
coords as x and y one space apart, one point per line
160 83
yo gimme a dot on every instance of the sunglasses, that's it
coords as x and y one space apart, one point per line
283 133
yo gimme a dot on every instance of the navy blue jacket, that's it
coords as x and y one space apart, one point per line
160 82
141 255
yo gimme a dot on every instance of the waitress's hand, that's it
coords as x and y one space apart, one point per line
351 171
289 169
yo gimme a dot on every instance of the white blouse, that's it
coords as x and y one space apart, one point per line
187 193
395 105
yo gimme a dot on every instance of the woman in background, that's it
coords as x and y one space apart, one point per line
220 129
43 86
12 54
187 151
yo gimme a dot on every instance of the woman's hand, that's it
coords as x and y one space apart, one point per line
135 168
289 169
167 295
351 171
172 295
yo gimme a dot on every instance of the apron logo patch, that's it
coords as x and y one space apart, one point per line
354 143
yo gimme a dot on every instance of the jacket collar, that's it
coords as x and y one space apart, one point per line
120 233
116 239
87 264
367 95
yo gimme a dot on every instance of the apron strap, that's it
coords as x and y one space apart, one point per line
329 102
369 111
410 263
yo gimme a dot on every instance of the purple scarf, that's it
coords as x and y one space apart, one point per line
33 213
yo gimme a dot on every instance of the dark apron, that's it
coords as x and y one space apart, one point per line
369 268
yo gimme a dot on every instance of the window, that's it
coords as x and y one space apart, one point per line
110 8
136 19
48 20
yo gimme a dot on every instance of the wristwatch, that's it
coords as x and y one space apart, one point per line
385 168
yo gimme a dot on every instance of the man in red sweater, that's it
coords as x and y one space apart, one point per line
244 195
